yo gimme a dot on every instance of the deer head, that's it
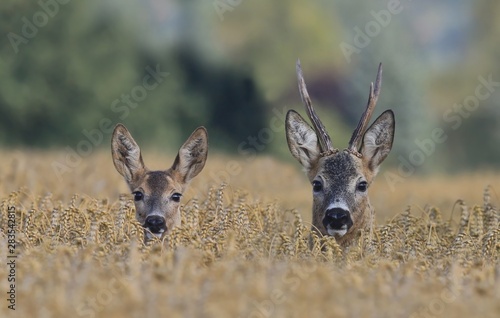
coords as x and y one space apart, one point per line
157 194
340 178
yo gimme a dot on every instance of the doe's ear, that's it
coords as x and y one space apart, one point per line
192 155
126 154
302 140
378 140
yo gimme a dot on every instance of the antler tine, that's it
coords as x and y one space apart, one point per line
323 137
355 141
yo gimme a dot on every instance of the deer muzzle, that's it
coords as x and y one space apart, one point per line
155 224
337 221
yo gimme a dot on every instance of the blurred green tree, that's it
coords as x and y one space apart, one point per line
88 62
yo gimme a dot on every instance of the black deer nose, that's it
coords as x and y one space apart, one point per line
155 224
336 218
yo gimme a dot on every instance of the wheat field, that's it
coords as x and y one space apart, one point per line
245 247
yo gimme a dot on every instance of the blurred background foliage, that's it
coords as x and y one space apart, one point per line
231 67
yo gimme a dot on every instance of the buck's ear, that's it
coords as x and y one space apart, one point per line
126 154
302 140
192 156
378 139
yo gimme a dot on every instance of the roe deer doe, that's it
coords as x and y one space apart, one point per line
157 193
340 178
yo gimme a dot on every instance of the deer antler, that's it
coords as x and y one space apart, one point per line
324 140
355 141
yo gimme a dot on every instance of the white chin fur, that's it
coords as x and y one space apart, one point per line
150 235
339 233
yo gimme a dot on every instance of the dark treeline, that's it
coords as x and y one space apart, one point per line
70 70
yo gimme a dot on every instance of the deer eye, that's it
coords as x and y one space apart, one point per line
138 195
317 186
362 186
176 197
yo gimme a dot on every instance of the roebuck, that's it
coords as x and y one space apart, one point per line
340 178
157 193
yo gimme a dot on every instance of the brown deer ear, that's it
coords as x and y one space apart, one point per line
192 155
302 140
126 154
378 140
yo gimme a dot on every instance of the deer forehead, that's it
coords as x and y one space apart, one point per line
159 183
341 169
